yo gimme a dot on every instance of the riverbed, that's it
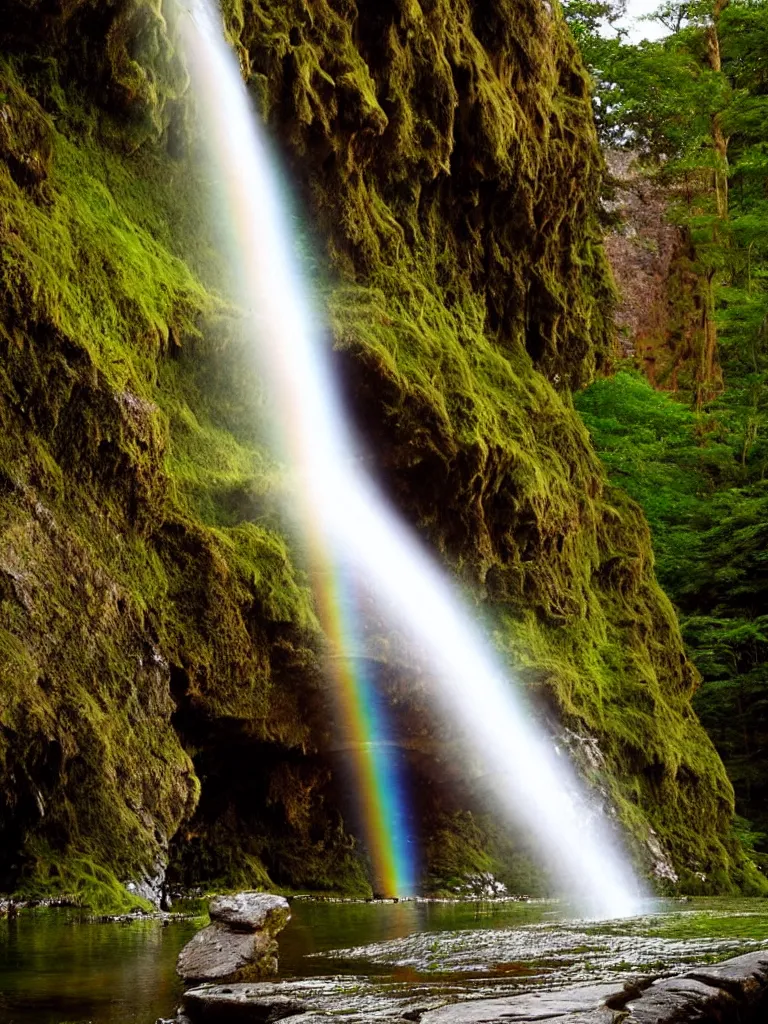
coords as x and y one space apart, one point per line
366 961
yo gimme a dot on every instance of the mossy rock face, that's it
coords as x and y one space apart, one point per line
156 634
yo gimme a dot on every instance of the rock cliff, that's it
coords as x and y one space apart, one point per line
161 691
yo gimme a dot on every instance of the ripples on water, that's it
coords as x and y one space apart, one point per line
367 961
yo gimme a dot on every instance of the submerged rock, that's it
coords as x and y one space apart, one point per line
239 944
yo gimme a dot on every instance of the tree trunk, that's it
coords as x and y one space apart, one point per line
719 138
708 371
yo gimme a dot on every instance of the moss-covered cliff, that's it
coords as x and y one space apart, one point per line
160 676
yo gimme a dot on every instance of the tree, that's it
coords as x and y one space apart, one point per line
695 105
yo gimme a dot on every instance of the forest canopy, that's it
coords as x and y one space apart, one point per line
693 110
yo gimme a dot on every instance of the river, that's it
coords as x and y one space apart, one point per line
366 960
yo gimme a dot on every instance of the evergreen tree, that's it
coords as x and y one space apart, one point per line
695 107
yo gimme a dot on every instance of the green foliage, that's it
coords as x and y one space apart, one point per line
80 881
710 543
700 478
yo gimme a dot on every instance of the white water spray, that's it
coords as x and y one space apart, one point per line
539 789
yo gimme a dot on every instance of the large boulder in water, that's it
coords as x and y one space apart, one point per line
251 911
239 944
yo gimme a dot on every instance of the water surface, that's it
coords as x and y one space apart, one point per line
366 961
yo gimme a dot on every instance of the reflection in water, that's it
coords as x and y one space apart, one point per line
54 968
371 961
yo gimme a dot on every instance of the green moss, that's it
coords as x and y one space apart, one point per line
160 636
122 567
79 880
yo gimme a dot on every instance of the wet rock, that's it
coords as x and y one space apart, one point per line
239 944
661 865
481 885
736 990
250 1004
218 952
151 886
586 1005
251 911
316 1018
602 1015
682 1000
745 977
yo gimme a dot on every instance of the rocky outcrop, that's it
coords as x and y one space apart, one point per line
581 1004
661 315
240 941
727 993
733 992
249 1004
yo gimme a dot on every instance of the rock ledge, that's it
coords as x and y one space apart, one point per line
732 992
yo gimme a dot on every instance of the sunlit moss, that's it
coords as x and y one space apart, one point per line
122 565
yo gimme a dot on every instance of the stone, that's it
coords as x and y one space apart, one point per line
584 1001
682 1001
251 911
151 886
316 1018
218 952
745 977
602 1015
249 1004
239 944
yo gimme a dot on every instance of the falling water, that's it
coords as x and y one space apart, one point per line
348 522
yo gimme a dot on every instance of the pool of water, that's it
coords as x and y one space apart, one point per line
364 961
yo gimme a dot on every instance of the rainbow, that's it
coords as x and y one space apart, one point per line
309 426
365 734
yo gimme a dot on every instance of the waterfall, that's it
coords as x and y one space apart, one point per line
349 525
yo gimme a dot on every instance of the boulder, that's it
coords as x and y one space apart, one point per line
733 991
218 952
745 977
239 944
251 911
683 1001
243 1004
